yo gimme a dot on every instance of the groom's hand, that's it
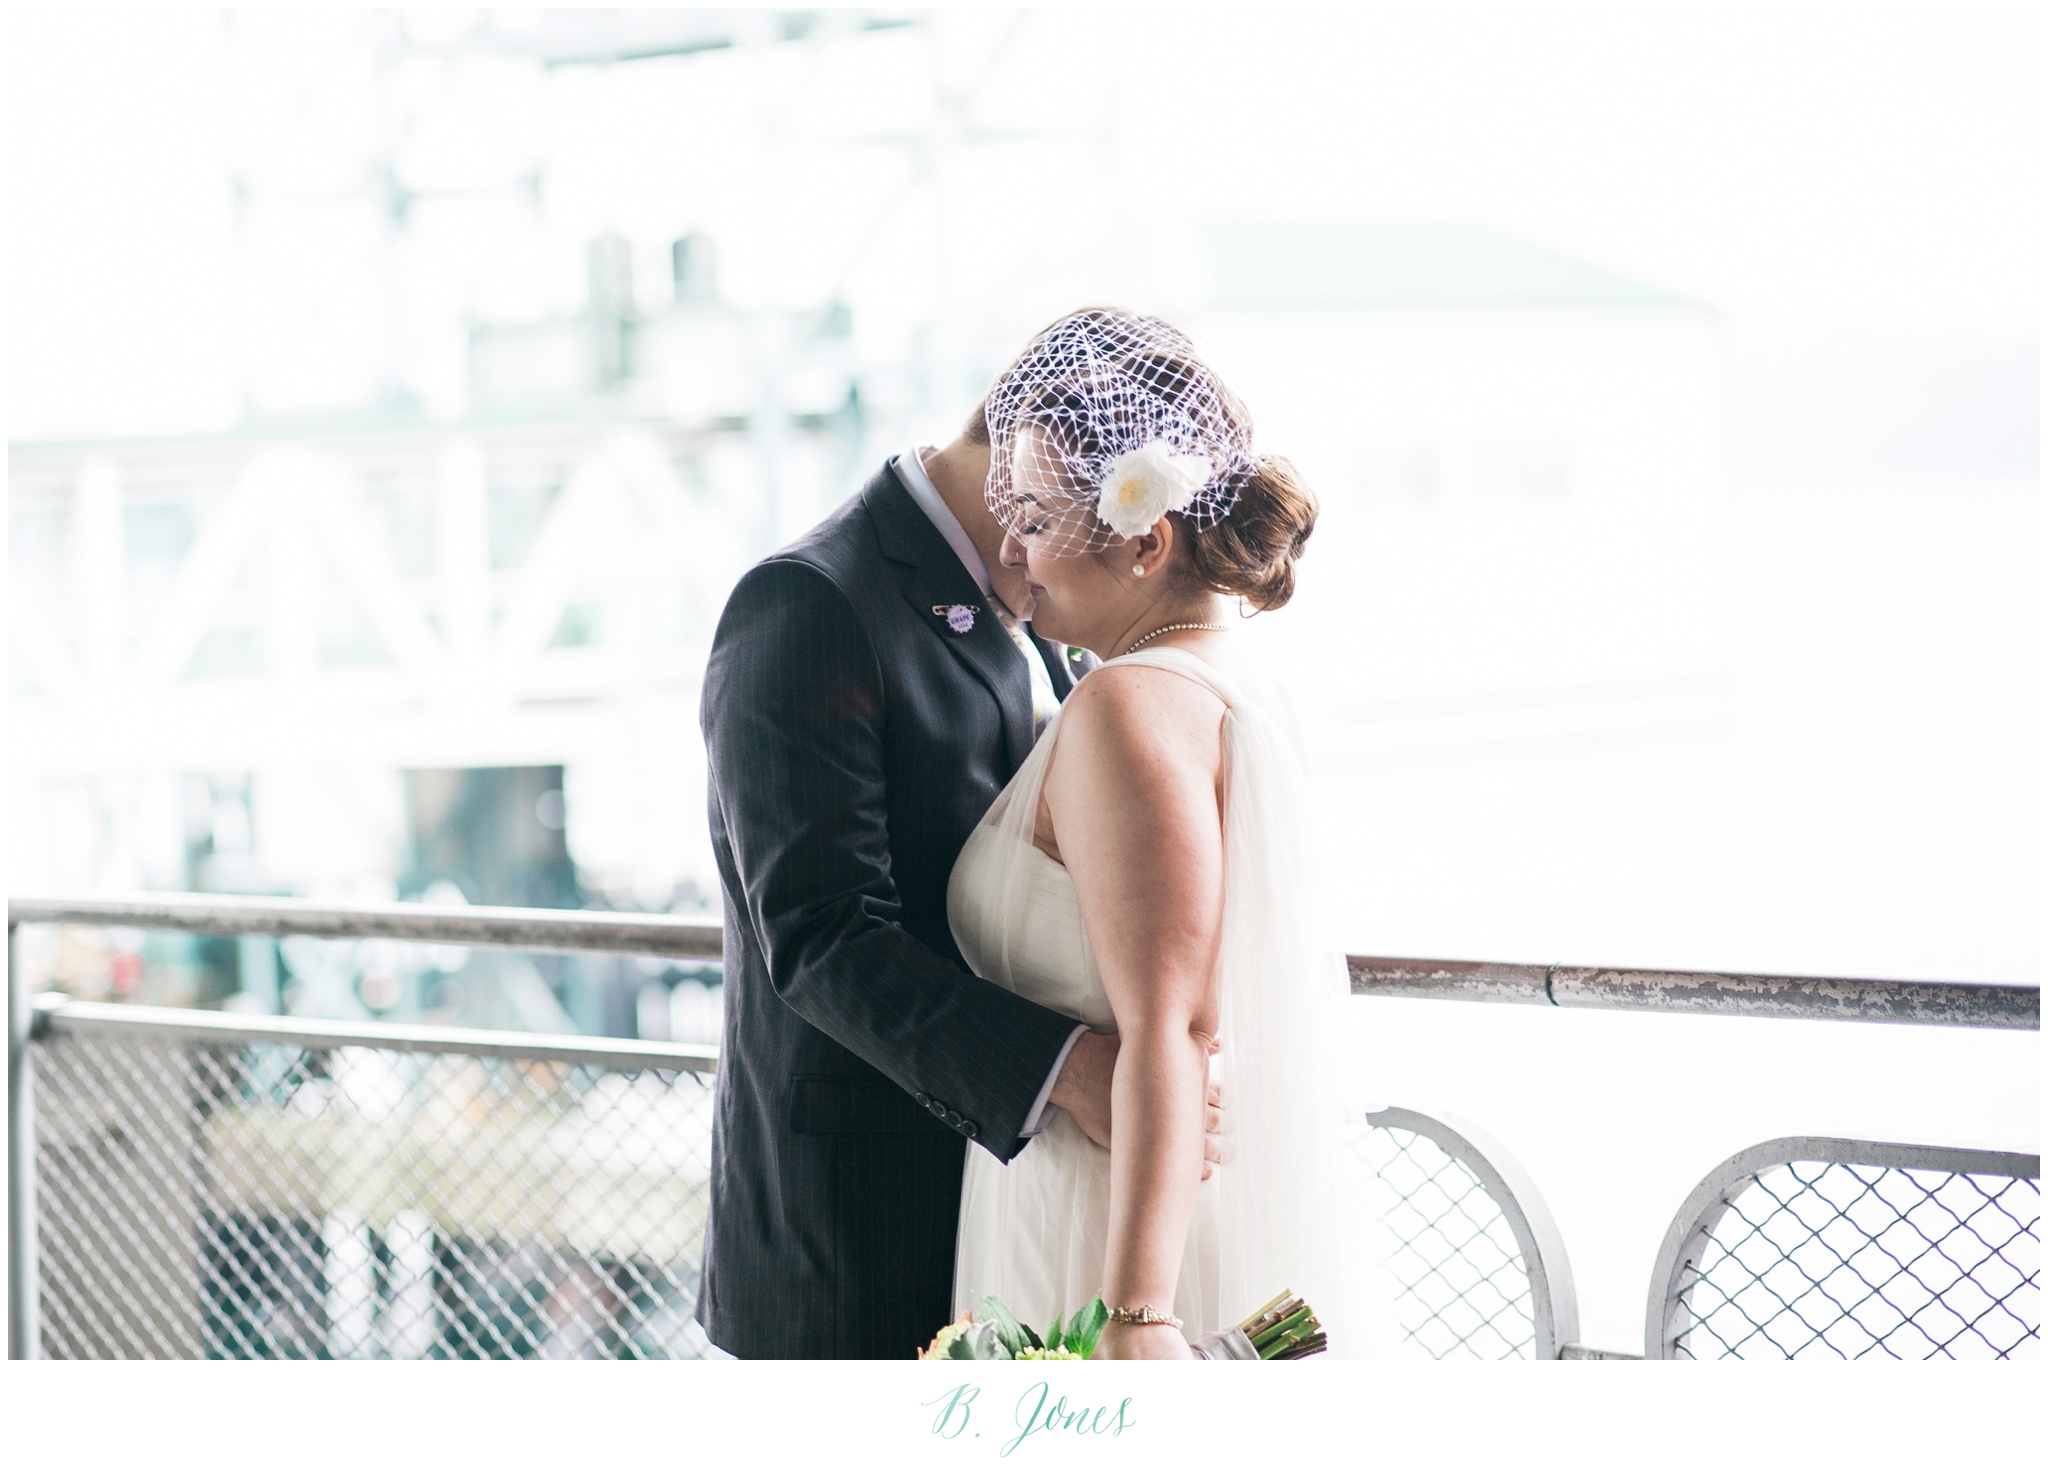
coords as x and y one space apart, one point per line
1083 1089
1218 1119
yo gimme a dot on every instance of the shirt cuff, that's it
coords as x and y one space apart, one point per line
1034 1120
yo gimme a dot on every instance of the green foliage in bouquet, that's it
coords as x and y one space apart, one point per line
1085 1329
1283 1329
1001 1336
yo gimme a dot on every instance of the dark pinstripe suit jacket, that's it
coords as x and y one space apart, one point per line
854 742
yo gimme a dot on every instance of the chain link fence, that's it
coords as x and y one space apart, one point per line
238 1194
1459 1284
1846 1260
205 1199
211 1199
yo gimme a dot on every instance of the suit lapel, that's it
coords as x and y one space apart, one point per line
933 581
1066 665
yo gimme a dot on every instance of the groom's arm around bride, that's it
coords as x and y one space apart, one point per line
862 707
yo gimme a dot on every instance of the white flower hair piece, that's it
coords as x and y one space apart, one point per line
1107 400
1145 482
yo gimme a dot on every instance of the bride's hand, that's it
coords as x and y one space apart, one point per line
1120 1342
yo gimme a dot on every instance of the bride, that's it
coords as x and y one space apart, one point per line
1145 871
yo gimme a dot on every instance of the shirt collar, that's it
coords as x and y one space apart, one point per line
910 469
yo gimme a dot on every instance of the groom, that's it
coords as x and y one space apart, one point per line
870 690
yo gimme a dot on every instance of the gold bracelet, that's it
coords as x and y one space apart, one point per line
1142 1315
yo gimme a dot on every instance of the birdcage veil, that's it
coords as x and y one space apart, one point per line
1106 421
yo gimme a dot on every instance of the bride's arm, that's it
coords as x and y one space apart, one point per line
1133 796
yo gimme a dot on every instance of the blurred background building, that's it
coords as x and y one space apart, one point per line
1672 604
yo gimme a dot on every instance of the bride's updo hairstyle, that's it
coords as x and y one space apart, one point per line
1251 551
1128 424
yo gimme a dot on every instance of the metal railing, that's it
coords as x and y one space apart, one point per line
200 1184
533 929
1658 991
1774 996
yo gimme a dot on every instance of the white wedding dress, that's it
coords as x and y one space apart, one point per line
1033 1232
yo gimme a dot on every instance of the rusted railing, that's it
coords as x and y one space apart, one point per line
1765 996
1772 996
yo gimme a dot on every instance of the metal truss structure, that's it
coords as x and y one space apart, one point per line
388 567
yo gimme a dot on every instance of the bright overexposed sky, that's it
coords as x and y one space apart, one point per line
1794 165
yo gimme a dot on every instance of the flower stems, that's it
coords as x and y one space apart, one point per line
1285 1329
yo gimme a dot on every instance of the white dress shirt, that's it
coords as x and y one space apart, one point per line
910 466
910 469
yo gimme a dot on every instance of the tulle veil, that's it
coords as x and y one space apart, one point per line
1284 1207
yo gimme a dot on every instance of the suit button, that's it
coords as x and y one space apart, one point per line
969 1130
924 1100
953 1118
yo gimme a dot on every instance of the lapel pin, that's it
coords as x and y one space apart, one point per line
959 618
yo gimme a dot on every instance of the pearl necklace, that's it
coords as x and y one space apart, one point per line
1172 627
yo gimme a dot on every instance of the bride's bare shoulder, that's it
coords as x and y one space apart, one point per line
1143 711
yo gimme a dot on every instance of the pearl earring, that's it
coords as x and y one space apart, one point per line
1137 570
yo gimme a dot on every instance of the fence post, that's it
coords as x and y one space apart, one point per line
24 1325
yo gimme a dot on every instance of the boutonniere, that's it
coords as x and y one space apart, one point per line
959 617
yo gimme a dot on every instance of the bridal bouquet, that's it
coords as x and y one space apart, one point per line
1283 1329
1001 1336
